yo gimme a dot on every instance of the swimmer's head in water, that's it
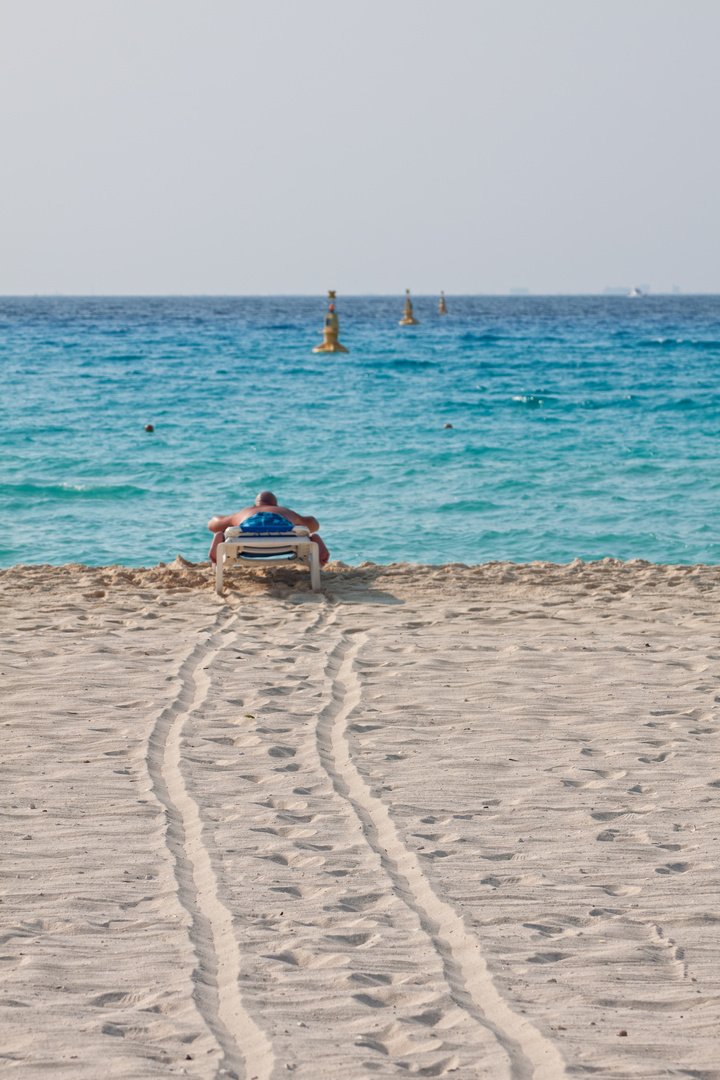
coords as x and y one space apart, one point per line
266 498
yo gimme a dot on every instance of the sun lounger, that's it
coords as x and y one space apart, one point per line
261 541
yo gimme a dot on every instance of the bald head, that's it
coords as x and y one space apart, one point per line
266 498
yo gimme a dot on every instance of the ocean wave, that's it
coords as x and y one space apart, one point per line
677 343
403 363
487 338
532 401
682 405
61 491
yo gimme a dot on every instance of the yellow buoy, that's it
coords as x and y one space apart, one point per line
442 310
331 330
407 319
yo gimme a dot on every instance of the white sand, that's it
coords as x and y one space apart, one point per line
434 820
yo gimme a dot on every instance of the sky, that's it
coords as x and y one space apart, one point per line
476 146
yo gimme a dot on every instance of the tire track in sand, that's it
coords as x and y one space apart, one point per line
530 1055
246 1048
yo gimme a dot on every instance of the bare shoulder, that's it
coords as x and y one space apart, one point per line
286 512
308 520
243 515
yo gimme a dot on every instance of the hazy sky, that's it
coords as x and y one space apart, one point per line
290 146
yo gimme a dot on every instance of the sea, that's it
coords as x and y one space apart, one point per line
513 428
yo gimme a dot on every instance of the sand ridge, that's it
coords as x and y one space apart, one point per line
224 1011
436 820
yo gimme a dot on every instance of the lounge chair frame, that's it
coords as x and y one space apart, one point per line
246 549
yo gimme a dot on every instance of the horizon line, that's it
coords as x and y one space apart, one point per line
610 293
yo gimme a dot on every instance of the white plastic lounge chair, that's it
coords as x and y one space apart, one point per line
267 547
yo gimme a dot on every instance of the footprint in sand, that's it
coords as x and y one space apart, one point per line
281 751
583 783
296 818
295 861
438 838
114 997
285 804
440 1018
395 1041
355 941
362 903
299 892
302 958
287 831
547 958
545 930
392 997
621 890
497 882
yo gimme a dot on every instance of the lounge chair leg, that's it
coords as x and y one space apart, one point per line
219 572
314 568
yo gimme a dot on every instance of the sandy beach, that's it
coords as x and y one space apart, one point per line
433 820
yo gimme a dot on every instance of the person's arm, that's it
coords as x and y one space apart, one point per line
312 523
219 524
309 522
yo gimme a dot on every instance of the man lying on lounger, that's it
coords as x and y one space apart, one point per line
265 503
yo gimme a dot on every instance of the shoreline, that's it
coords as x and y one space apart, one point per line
440 819
186 572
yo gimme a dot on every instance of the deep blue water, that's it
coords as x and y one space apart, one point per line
581 426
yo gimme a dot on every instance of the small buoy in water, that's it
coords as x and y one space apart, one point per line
330 341
149 427
448 425
442 309
408 318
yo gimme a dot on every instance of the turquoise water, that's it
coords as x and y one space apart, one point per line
581 426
